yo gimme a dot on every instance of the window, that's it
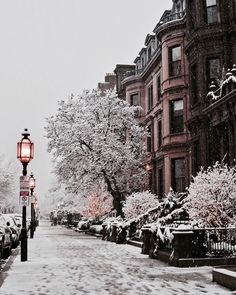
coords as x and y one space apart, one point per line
178 174
195 158
158 88
159 128
194 84
149 53
143 62
213 71
150 97
211 11
175 61
160 189
176 116
134 100
192 14
149 139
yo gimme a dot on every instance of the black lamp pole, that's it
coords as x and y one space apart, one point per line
25 155
24 237
32 222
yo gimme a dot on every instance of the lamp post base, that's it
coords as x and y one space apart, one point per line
32 219
24 245
24 238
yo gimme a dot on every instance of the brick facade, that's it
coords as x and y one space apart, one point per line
170 80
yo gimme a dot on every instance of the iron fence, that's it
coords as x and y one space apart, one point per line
206 242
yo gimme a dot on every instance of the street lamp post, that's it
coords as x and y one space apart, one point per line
25 153
32 187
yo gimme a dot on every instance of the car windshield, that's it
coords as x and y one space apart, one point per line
10 219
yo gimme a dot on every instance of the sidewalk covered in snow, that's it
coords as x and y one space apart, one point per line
63 262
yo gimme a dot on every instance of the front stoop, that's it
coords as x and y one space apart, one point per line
225 277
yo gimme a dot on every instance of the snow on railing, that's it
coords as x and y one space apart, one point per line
227 86
206 242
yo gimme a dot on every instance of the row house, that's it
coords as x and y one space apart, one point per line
158 82
211 51
189 49
108 84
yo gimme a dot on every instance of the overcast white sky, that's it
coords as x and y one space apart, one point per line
51 48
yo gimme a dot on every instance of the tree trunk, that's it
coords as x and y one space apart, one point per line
117 203
117 196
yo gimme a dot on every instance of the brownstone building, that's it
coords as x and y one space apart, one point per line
189 49
211 50
110 82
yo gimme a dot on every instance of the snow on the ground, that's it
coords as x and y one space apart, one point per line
63 262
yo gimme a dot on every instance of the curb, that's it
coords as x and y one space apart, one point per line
7 265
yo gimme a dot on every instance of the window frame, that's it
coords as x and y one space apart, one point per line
173 128
160 182
215 18
194 83
150 97
149 138
175 66
131 99
178 181
149 53
208 78
196 157
158 83
159 135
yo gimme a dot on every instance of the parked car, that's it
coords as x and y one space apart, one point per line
18 219
15 229
5 234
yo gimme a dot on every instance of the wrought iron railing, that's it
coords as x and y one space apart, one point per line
172 17
206 242
220 241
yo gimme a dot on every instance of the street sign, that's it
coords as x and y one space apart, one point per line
24 198
24 183
24 191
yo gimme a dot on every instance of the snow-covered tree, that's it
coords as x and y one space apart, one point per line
96 138
58 197
139 203
9 192
212 195
99 202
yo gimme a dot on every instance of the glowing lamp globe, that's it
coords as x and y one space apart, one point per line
32 181
25 149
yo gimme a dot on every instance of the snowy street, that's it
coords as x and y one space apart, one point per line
63 262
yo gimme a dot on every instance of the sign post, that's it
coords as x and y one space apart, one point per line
24 190
24 201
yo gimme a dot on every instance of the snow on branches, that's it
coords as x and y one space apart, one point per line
95 137
139 203
8 186
99 202
212 195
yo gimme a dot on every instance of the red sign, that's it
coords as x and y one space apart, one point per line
24 193
24 198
